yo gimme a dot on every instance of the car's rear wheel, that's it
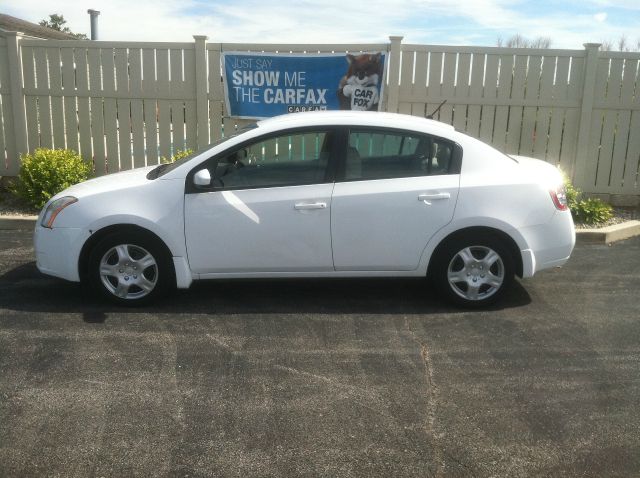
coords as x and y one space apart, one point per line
473 271
130 268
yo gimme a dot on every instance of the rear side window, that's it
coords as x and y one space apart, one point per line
375 154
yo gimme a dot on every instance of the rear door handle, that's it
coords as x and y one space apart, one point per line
427 197
305 206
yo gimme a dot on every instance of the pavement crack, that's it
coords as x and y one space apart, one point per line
467 468
363 397
309 374
432 394
223 345
179 431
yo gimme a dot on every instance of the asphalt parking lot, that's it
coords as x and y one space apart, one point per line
323 378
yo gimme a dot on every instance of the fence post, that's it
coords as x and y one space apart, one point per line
394 74
202 101
588 93
17 99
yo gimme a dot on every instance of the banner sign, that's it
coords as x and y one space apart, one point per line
264 85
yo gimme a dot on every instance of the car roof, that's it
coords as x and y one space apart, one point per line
355 118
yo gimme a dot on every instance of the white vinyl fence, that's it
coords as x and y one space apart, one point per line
579 109
128 104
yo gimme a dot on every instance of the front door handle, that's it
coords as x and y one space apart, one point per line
305 206
427 197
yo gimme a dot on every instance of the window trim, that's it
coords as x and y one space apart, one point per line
335 137
454 167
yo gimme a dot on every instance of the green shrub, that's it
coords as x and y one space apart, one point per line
46 172
179 154
592 211
571 191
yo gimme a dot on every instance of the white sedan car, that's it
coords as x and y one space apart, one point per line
323 194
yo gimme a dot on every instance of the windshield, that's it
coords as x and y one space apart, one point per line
165 168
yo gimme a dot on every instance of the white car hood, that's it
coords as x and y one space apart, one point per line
110 182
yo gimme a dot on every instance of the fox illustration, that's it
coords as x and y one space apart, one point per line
358 89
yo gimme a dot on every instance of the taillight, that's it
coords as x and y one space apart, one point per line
559 198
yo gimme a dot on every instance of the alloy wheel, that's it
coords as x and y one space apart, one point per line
476 273
128 271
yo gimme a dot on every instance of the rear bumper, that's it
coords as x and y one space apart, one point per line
550 244
58 249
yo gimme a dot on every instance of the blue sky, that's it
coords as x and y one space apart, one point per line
458 22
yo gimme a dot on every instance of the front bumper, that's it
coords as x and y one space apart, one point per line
58 250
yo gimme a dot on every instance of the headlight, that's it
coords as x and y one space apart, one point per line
54 208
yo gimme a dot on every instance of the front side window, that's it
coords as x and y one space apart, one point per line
389 154
165 168
285 160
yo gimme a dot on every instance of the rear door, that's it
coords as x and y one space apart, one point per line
395 191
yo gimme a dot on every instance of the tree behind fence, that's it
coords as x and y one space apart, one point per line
128 104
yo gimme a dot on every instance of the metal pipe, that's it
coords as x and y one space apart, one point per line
94 23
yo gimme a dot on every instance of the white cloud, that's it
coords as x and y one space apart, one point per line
600 17
247 21
335 21
626 4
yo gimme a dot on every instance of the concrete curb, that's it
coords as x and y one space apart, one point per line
606 235
17 222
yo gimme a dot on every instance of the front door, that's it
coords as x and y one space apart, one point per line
268 208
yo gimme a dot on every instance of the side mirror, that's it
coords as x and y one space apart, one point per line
202 178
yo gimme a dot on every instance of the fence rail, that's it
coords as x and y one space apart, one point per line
128 104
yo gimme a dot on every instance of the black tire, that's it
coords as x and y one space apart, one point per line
130 268
482 263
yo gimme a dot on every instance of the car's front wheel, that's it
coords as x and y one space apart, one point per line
129 268
474 271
